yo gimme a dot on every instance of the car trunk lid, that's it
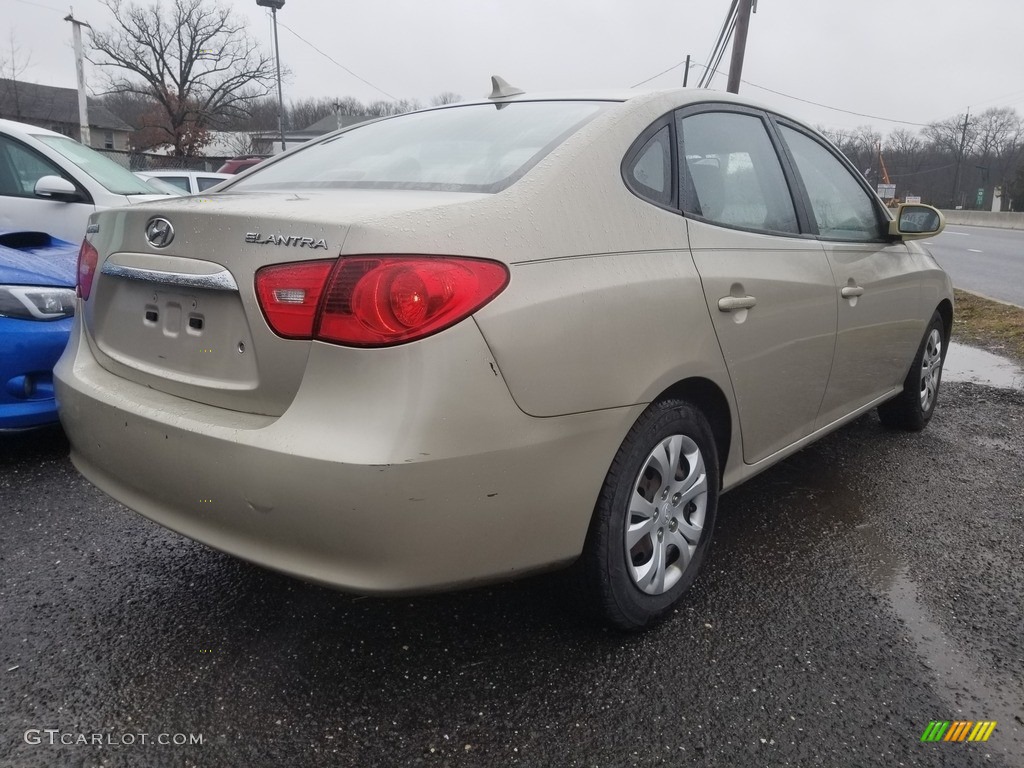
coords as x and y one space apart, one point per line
173 305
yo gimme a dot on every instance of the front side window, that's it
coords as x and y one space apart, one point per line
205 182
842 208
474 148
21 168
732 174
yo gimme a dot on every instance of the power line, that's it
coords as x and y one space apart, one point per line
663 72
666 71
835 109
40 5
720 44
332 60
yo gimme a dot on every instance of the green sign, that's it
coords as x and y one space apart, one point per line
981 197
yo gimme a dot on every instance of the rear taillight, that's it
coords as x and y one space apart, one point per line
289 295
375 301
88 258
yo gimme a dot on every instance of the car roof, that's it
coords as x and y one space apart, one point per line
630 96
23 129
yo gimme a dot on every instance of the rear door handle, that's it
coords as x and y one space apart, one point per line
732 303
852 291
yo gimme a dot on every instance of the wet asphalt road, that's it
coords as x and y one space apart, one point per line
866 586
985 260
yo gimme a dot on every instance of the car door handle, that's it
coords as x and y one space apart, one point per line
852 291
732 303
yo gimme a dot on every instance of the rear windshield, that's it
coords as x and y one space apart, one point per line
473 148
112 176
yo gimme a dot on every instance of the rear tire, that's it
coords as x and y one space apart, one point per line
912 409
653 521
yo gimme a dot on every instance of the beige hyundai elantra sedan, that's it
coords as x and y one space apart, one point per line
473 342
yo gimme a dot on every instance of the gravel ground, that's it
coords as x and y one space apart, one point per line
864 587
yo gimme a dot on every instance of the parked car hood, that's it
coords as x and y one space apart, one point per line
35 258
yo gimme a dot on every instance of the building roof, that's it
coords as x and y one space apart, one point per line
31 102
333 123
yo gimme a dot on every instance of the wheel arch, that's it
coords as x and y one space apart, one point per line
945 310
712 402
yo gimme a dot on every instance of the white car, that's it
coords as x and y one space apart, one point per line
52 183
191 182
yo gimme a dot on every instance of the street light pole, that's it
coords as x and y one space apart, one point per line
274 5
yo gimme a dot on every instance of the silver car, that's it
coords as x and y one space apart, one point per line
473 342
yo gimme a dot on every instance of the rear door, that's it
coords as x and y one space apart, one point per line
878 287
769 289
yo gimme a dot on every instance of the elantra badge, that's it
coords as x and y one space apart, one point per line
159 232
301 242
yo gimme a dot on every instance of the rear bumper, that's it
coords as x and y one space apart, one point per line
28 351
420 475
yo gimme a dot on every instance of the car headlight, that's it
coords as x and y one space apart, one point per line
36 302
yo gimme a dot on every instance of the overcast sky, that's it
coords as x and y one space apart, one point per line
905 60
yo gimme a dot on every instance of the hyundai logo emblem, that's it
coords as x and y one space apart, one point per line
159 232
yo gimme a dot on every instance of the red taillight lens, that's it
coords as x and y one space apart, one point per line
379 301
88 258
289 295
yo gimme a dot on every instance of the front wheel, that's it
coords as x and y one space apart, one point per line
912 409
653 521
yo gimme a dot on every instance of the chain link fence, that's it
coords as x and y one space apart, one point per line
147 161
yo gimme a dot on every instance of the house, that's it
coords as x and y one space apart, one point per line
269 142
57 109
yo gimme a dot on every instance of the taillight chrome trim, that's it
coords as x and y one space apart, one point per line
218 281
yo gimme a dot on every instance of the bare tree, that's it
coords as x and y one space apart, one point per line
388 108
238 143
946 135
305 112
445 97
11 69
193 58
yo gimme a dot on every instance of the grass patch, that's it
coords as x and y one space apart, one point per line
985 323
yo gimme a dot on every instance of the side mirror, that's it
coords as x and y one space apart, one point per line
58 188
914 221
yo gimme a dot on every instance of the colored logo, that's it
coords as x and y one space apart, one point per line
958 730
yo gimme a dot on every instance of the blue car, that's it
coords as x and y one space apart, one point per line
37 305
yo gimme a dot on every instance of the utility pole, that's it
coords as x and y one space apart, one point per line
739 45
686 72
959 160
83 104
275 6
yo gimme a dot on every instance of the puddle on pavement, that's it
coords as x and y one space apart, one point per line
975 365
958 680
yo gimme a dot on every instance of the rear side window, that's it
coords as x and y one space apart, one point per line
205 182
732 174
843 209
473 148
181 182
650 172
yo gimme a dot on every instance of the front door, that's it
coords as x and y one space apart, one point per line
877 281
